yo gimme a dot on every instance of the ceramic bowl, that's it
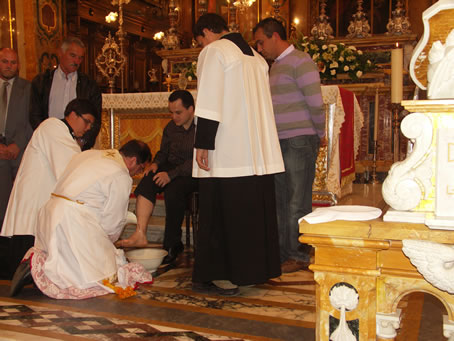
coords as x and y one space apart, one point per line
150 258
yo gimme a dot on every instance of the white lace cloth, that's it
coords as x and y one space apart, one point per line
131 273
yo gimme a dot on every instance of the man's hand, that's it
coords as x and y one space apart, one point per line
150 168
161 179
201 157
14 151
5 154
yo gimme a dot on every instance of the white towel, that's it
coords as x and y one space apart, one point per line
342 212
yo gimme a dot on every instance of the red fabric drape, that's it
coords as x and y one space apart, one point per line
346 136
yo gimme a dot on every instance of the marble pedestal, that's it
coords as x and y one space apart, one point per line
367 256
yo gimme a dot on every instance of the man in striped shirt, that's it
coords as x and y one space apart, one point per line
300 119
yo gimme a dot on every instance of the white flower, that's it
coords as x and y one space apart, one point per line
334 65
333 46
359 73
324 47
189 78
352 48
346 68
341 59
315 56
333 72
360 52
369 62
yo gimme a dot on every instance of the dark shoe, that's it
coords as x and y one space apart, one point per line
22 276
293 265
173 253
211 288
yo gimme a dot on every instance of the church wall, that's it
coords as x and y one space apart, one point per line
41 24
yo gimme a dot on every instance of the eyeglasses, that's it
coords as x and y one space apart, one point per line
87 121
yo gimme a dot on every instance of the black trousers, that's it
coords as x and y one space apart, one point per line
237 238
12 250
176 195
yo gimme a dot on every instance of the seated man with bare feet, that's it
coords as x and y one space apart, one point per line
171 173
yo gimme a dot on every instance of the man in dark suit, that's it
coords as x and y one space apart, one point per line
53 89
15 130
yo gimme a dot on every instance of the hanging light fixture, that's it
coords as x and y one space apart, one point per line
243 4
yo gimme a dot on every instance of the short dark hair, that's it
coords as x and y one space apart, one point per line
137 149
186 98
271 25
212 21
81 106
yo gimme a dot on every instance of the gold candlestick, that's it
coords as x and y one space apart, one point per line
396 108
374 180
168 82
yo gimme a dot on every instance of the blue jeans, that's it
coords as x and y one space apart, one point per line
294 192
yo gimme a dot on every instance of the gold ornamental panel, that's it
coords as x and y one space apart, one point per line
128 126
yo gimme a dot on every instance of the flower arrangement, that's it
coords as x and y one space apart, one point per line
334 59
191 72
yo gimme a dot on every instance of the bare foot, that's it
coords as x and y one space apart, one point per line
137 239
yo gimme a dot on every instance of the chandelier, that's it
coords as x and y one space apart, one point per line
243 4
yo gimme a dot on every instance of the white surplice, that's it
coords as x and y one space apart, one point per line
85 215
45 158
246 140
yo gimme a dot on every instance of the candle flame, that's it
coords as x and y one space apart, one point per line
397 44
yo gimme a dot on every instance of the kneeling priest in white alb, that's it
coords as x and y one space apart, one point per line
74 256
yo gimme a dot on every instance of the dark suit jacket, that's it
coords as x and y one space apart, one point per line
86 88
18 131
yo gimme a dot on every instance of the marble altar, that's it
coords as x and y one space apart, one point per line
367 257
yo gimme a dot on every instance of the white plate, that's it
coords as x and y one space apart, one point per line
342 212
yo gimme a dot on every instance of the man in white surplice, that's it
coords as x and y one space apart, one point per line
83 218
50 149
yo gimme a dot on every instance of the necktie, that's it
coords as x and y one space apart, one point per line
3 106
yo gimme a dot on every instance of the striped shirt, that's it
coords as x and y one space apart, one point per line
296 93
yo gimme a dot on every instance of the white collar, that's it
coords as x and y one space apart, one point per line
287 51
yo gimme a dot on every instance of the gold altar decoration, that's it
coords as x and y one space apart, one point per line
322 28
110 61
242 5
367 255
398 23
176 61
171 41
134 116
233 25
359 27
277 4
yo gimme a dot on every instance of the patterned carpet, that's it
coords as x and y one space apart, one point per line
168 310
68 325
282 309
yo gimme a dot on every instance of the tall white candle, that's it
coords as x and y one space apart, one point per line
397 62
376 115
